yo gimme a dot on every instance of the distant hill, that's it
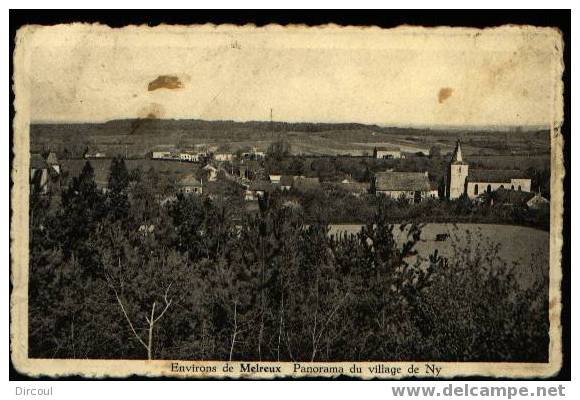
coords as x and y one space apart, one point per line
151 126
138 137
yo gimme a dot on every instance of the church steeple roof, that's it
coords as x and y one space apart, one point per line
457 155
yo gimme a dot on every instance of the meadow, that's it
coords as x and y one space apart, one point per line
137 138
526 249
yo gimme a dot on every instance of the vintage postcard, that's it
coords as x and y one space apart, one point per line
257 202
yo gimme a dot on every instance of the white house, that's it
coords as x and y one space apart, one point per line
254 155
189 184
161 155
223 157
191 156
387 153
275 179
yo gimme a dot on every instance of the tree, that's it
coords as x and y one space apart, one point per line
435 151
279 149
142 279
214 282
83 208
118 200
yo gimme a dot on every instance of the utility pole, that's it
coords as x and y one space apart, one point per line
271 122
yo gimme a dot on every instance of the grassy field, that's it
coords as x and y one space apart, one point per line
526 248
139 137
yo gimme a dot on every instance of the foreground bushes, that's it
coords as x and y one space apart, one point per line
269 287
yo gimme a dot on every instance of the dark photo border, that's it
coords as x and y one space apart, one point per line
560 19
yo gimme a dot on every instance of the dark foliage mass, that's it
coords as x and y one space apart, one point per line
118 275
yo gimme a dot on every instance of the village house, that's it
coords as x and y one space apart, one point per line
257 190
410 186
222 157
194 156
95 154
254 154
190 185
44 173
286 182
387 153
163 155
212 172
189 157
475 182
538 202
275 179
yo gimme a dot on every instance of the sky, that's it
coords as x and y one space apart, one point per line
401 77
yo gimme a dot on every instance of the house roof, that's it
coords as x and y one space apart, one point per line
457 156
37 161
494 175
402 181
189 180
388 148
537 201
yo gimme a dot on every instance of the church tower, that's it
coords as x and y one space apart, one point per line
456 174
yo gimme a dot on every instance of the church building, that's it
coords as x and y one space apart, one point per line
475 182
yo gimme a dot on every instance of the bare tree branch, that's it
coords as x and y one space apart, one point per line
167 304
125 313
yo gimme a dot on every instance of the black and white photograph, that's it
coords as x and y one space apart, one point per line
287 201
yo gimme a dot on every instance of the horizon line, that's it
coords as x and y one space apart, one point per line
381 125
